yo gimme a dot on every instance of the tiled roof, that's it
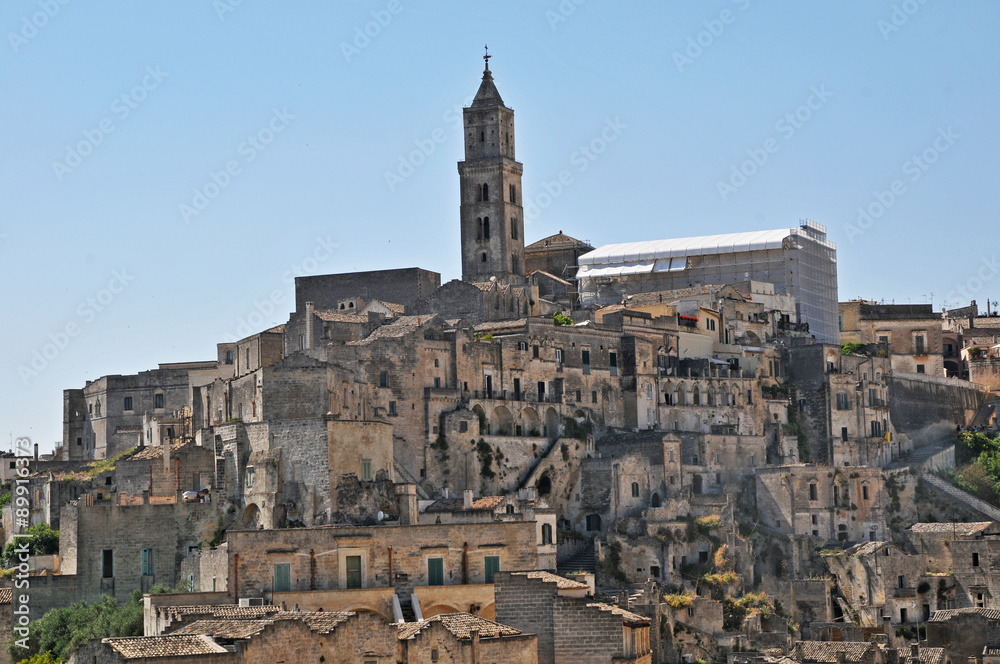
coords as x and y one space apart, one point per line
225 629
277 329
627 616
6 595
333 316
164 646
323 622
401 327
150 452
927 655
948 614
558 241
459 624
223 611
868 548
945 528
561 581
458 504
826 651
502 325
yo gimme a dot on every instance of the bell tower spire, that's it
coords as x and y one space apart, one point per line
492 219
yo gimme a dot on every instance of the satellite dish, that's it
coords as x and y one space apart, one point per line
381 515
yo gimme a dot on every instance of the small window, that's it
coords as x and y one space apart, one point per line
546 533
249 477
843 434
635 489
383 379
282 577
522 345
559 356
392 408
107 564
463 426
158 401
492 567
815 520
366 470
437 381
920 368
435 571
147 562
864 491
534 352
901 581
128 403
813 493
229 357
593 397
353 565
975 559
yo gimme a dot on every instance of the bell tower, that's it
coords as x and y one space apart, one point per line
492 218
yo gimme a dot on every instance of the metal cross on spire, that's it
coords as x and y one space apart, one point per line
486 58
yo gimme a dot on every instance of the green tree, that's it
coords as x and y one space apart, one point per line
41 541
44 658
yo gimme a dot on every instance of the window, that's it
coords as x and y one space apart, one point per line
229 357
559 356
593 522
901 581
513 228
353 565
813 493
158 401
383 379
593 397
864 491
671 456
842 403
435 571
107 564
585 358
249 481
366 470
613 363
522 345
975 559
517 389
918 344
815 520
513 193
486 227
902 615
248 358
437 381
128 403
437 362
920 368
546 533
534 352
486 194
578 395
282 577
541 390
635 489
484 257
392 408
843 434
147 562
492 567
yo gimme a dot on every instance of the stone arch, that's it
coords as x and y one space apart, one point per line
369 608
501 421
251 517
544 485
654 500
531 422
580 416
551 423
442 607
753 337
696 396
735 396
593 523
481 414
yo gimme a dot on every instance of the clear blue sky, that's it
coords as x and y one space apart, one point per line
332 113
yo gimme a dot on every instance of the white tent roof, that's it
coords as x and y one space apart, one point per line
631 252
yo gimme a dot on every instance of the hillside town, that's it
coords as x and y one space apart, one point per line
671 450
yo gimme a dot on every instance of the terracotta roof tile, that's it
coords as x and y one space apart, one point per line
946 528
561 581
627 616
6 595
459 624
826 651
948 614
164 646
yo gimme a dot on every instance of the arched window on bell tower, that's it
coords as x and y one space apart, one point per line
484 193
486 227
479 229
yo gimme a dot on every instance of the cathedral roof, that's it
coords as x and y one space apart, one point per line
488 94
558 241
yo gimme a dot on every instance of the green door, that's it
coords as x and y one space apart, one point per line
282 577
435 571
353 571
492 567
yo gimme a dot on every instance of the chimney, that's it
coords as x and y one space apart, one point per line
467 499
406 495
841 656
309 325
36 451
474 633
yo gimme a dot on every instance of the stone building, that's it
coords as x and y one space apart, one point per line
800 262
556 254
912 333
571 627
837 504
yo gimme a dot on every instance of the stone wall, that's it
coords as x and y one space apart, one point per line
918 403
400 286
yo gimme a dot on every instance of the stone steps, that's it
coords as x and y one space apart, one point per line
963 497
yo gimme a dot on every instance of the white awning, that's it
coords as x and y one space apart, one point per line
588 272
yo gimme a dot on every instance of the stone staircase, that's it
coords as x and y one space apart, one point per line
963 497
584 561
